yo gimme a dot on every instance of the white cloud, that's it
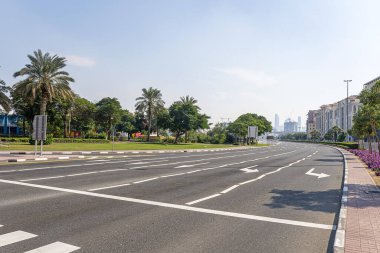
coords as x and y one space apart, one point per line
80 61
250 76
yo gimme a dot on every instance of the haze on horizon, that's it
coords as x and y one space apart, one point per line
234 57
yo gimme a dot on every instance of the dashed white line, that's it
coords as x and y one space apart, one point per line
202 199
145 180
17 236
56 247
108 187
230 188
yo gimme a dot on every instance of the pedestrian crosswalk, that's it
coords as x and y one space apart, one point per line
18 236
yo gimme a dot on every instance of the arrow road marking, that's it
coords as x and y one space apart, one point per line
190 165
248 169
321 175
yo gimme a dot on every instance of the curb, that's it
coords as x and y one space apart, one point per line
80 154
340 234
16 160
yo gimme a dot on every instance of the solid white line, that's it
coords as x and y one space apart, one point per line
202 199
56 247
149 179
13 237
173 175
108 187
41 178
175 206
63 157
80 174
230 189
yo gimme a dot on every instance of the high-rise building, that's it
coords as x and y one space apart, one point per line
276 123
299 124
371 83
290 126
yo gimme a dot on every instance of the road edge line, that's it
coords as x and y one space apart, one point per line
340 235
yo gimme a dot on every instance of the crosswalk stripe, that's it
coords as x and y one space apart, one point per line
56 247
13 237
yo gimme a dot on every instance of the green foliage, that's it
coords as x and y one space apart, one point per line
107 114
240 126
294 136
184 116
48 141
79 140
149 105
14 139
82 115
5 102
45 79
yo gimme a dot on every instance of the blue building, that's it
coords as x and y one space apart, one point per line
9 126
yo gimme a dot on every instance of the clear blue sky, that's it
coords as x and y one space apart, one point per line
234 56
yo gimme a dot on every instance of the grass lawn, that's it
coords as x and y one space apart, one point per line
118 146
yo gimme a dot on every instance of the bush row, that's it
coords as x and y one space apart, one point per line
50 140
350 145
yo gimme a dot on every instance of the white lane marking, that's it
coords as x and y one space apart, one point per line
249 181
108 187
202 199
173 175
41 178
176 206
97 161
309 155
249 170
13 237
63 158
193 171
320 175
145 180
190 165
80 174
230 188
110 156
79 165
56 247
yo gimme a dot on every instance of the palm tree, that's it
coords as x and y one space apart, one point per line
148 104
5 102
44 80
189 101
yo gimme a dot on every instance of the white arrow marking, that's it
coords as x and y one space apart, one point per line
322 175
190 165
248 169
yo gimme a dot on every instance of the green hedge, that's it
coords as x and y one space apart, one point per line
15 139
350 145
79 140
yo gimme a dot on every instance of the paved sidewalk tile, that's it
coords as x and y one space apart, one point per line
363 213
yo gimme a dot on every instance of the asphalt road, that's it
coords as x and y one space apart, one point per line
283 198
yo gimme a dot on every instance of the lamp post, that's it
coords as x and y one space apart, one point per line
347 81
113 135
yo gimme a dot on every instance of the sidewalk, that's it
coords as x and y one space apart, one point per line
363 209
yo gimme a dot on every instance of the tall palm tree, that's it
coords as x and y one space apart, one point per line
149 103
5 102
189 101
44 80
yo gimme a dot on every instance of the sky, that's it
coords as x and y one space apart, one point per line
234 57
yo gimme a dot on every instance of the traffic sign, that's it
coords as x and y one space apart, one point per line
39 127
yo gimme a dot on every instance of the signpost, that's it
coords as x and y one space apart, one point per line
39 131
253 132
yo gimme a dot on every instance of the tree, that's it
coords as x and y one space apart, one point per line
45 79
315 135
127 123
5 102
367 120
240 126
82 115
107 114
185 117
148 104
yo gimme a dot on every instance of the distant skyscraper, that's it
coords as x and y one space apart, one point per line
299 123
276 123
290 126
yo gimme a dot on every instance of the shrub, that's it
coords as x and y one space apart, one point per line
48 141
371 159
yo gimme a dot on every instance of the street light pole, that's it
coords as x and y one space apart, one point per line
347 81
113 135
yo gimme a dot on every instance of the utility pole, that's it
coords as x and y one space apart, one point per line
347 81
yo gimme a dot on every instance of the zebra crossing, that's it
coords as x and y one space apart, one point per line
19 236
